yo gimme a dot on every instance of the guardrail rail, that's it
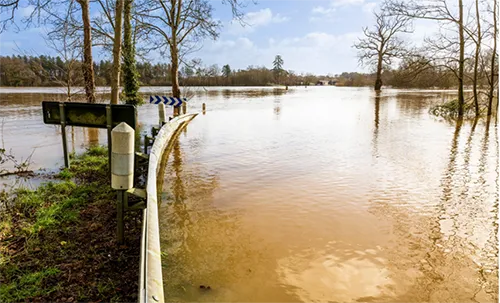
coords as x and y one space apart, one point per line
150 275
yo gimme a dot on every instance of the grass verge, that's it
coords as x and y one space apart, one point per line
58 242
449 110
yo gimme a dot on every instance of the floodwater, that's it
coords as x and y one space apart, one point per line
330 194
23 133
313 194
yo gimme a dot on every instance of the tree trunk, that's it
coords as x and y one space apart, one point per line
88 64
130 75
493 59
117 44
378 81
476 59
174 73
176 91
461 100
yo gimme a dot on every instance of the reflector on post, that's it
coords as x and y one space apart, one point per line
122 157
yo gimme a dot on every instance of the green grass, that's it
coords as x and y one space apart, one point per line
65 174
97 151
53 204
48 206
94 160
59 241
52 208
56 214
28 285
449 110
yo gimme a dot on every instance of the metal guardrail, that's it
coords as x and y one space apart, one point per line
150 279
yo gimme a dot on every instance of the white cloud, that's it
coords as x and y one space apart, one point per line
337 3
316 52
421 30
327 13
320 13
369 7
8 47
254 20
262 17
278 18
26 11
320 10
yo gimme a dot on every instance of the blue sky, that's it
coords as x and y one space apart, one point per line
311 36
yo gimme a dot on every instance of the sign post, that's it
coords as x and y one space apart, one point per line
109 125
62 119
174 101
120 122
87 115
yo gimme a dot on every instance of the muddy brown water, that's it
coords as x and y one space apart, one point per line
322 194
331 194
23 133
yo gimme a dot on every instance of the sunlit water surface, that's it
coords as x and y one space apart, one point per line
318 194
23 133
331 194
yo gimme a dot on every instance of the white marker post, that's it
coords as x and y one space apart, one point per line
122 168
161 112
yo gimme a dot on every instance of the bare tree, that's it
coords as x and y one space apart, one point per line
48 11
177 26
8 9
103 28
117 44
477 40
106 29
381 44
88 63
67 44
493 70
237 7
440 11
103 24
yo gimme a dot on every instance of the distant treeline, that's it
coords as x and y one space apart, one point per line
51 71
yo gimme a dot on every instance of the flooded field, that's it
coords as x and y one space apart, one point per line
319 194
331 195
23 132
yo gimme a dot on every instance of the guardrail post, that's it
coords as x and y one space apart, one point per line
122 169
203 108
147 143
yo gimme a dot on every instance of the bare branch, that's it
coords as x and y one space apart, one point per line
381 44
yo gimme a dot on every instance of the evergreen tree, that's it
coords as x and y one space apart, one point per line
226 71
278 67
